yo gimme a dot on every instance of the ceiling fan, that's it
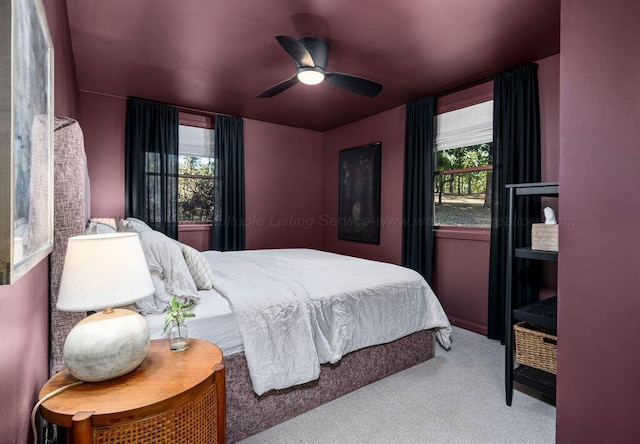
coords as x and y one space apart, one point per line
311 55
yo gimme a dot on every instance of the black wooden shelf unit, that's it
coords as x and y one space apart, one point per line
542 313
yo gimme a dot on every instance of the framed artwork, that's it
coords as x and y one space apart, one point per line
359 212
26 138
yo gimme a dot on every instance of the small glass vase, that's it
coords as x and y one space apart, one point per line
178 337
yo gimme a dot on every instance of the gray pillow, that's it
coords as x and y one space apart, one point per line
164 258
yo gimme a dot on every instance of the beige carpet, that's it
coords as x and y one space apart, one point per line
456 397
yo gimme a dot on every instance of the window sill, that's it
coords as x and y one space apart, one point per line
184 227
481 234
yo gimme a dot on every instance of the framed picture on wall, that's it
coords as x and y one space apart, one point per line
26 138
359 206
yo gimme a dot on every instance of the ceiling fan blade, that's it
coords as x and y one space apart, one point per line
354 84
318 48
277 89
296 50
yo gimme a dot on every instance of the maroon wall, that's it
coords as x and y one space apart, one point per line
461 278
388 128
599 262
549 90
196 235
24 366
65 88
102 120
283 176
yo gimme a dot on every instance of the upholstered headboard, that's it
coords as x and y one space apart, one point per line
71 205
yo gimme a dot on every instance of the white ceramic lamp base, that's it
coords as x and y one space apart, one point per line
104 346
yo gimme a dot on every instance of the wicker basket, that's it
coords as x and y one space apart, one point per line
536 346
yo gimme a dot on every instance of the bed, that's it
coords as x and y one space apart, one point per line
342 364
299 327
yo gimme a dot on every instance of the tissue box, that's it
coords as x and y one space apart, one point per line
544 237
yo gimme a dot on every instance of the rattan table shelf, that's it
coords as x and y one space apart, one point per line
172 397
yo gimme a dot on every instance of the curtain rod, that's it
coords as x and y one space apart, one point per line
180 108
487 78
465 86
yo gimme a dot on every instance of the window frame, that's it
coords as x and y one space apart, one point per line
453 102
204 122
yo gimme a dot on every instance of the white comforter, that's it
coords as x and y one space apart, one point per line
298 308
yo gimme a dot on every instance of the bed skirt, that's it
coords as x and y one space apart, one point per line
248 414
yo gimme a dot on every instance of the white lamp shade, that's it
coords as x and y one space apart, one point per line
103 270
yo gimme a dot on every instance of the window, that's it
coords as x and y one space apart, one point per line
195 175
462 180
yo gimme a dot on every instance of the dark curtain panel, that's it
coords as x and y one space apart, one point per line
417 213
151 165
516 159
228 190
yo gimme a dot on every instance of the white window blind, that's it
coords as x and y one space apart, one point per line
464 127
195 141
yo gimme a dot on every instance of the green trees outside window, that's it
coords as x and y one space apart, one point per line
195 189
462 186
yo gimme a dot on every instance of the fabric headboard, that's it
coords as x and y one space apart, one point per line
71 204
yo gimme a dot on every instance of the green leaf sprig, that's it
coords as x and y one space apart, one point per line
177 312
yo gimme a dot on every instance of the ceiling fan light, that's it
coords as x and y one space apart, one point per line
310 76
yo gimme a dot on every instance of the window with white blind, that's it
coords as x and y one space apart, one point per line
462 179
195 174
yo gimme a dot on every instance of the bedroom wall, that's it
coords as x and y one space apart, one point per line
102 120
283 179
388 128
24 366
598 279
462 256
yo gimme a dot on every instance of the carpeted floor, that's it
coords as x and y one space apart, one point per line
456 397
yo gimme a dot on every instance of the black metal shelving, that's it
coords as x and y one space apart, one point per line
528 253
543 382
543 313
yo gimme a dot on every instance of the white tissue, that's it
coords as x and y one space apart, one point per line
549 216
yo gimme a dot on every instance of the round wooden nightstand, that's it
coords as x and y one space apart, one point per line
172 397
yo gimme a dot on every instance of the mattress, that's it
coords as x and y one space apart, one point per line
214 322
299 308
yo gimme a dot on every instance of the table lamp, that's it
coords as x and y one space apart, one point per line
100 272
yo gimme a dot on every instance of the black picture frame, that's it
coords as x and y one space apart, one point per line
359 203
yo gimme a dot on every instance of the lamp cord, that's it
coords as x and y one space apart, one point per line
39 403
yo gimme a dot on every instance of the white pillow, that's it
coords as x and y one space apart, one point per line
131 224
198 267
106 220
149 304
164 257
96 227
